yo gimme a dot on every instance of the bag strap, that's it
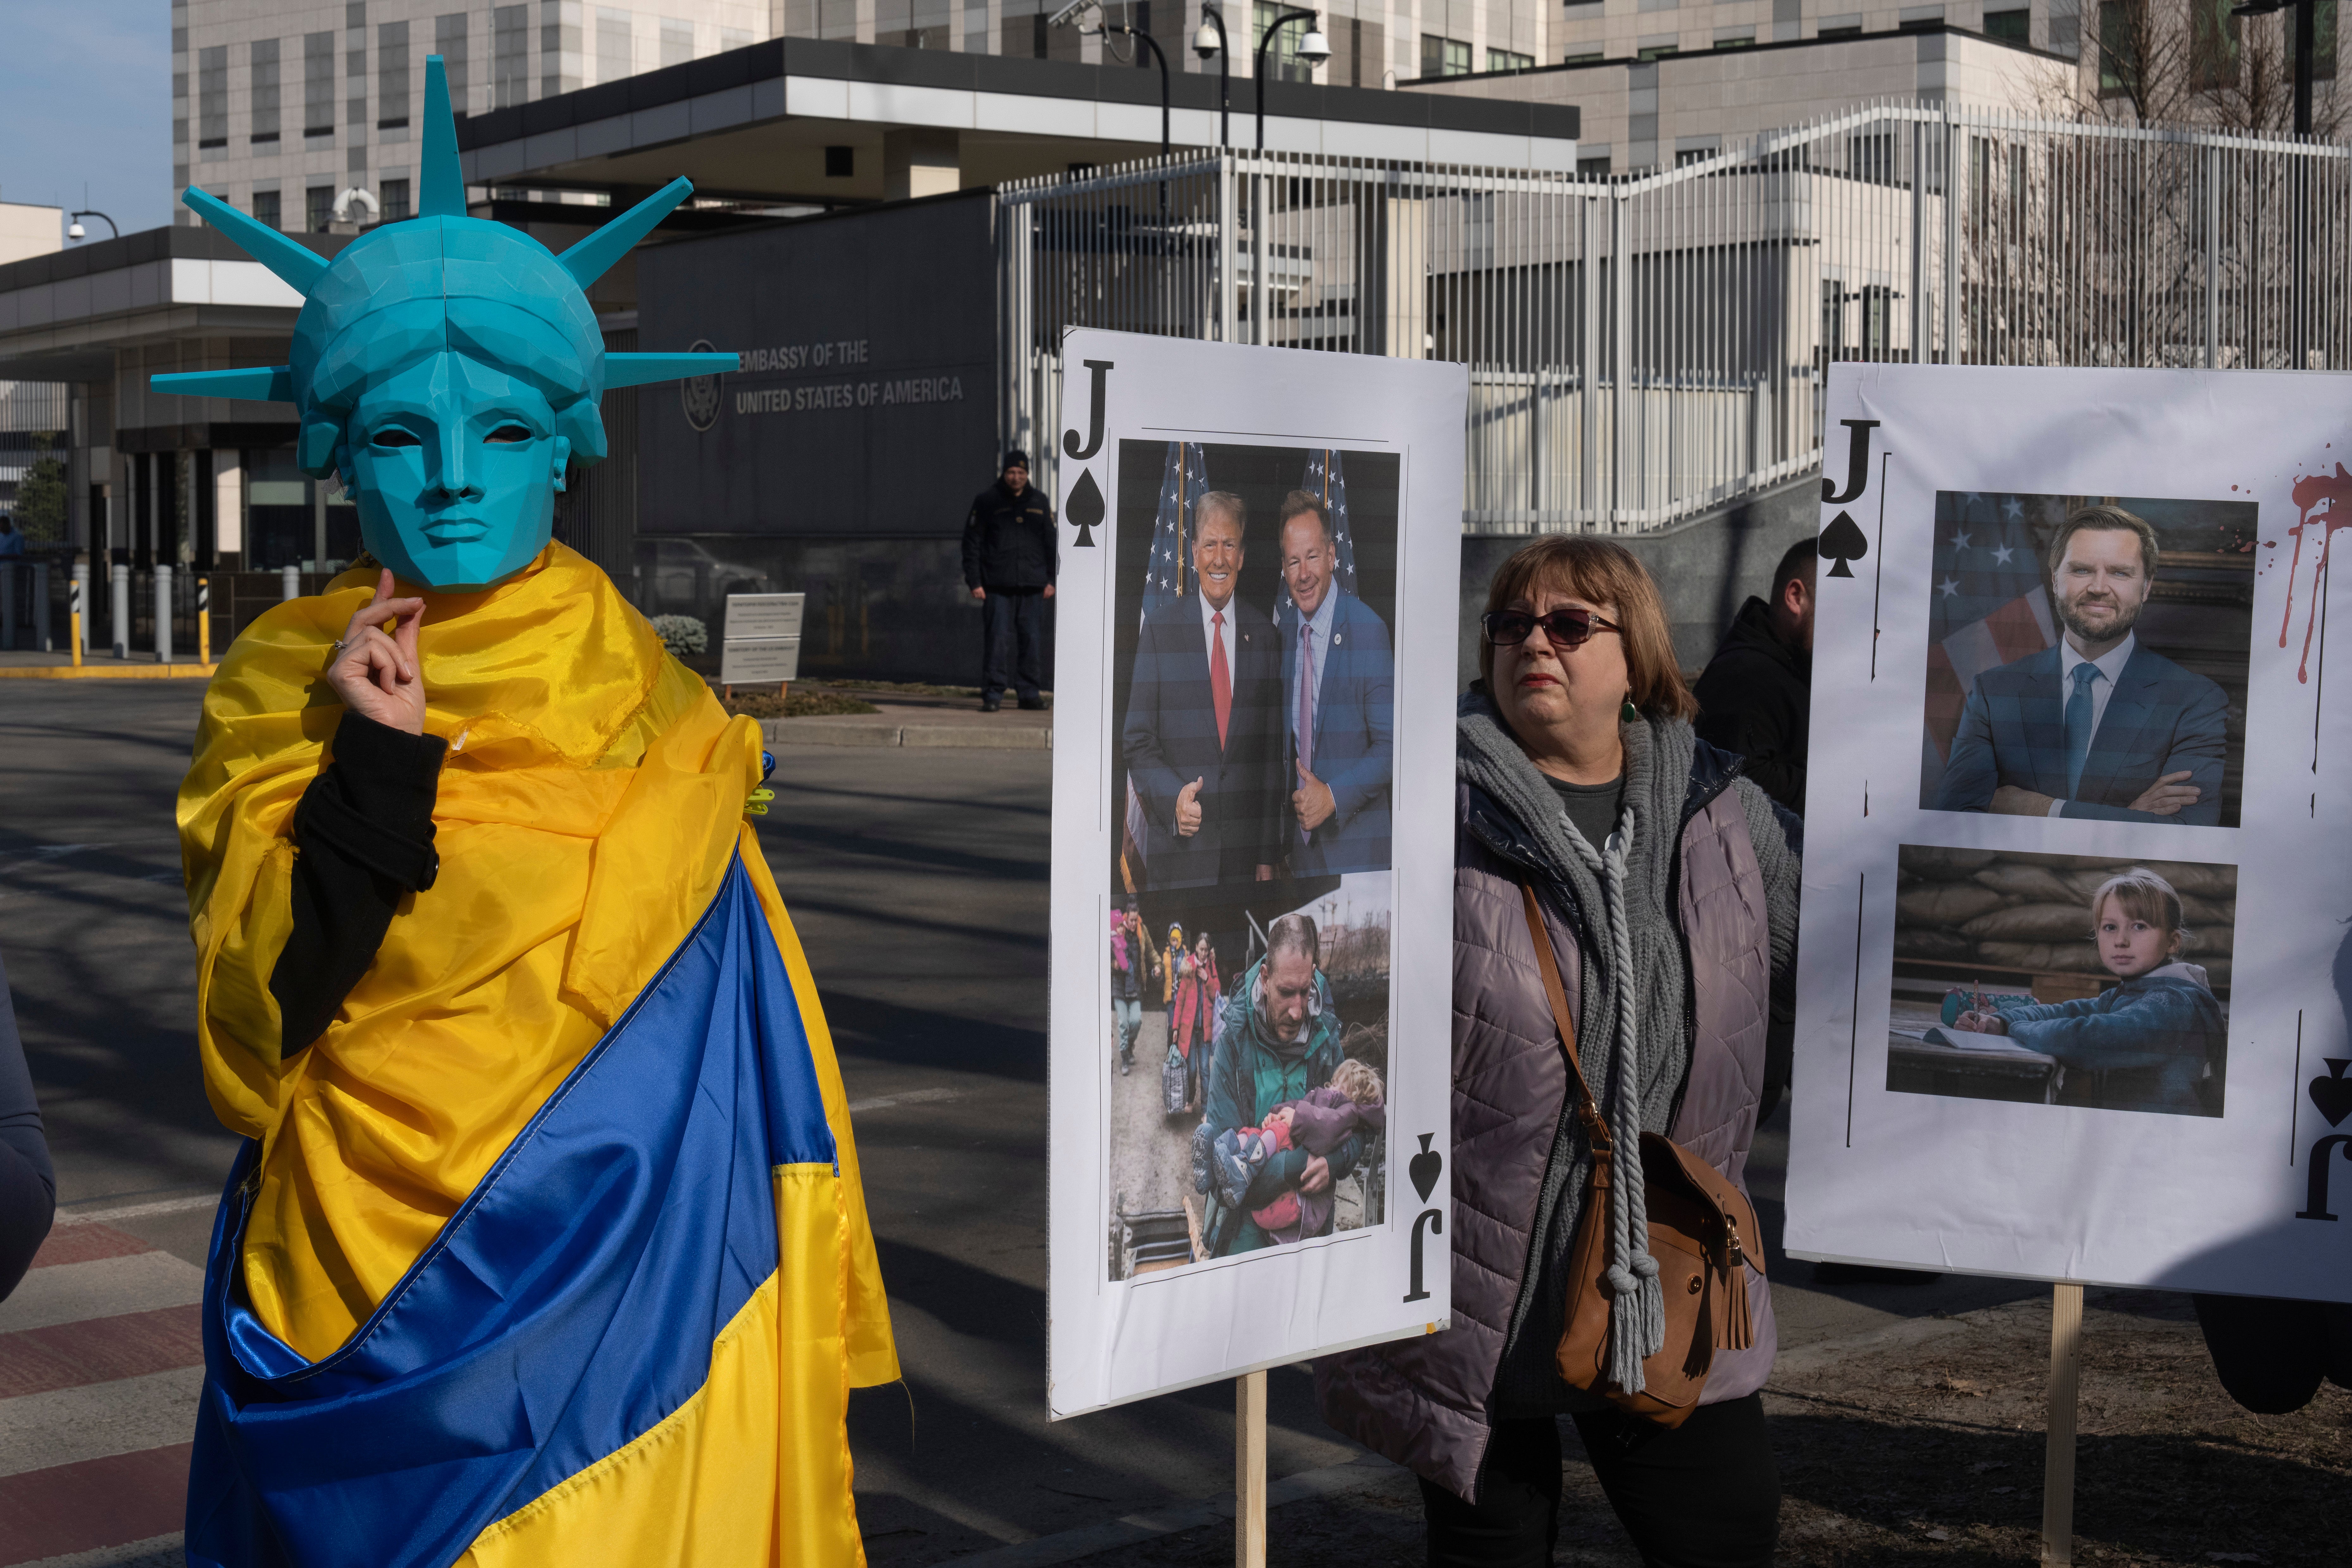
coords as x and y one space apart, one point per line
1596 1130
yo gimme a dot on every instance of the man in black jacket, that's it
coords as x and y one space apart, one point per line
1757 691
1009 559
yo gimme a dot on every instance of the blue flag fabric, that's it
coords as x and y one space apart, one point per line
568 1306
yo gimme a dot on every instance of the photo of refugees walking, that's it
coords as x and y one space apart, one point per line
2070 980
1253 699
2087 658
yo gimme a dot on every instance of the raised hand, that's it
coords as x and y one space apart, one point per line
1187 808
375 670
2167 795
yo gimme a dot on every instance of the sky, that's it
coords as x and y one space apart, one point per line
86 102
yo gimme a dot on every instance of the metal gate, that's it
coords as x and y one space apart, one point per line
1640 350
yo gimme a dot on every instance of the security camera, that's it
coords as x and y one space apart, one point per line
1070 13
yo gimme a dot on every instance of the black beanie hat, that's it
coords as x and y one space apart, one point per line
1015 459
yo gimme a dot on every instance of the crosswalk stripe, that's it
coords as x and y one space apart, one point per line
87 1243
39 1431
155 1551
100 1350
93 1503
103 1287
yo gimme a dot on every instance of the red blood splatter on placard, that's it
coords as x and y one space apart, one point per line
2325 499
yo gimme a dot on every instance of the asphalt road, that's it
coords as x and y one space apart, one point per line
918 881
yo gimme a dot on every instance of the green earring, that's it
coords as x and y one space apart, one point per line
1628 713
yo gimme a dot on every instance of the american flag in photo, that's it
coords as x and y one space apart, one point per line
1988 605
1325 480
1167 575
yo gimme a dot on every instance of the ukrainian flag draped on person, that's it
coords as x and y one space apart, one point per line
552 1246
590 824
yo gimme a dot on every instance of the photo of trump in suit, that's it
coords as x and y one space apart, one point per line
1203 732
1337 687
2098 726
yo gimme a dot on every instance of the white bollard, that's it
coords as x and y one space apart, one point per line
289 583
163 612
118 608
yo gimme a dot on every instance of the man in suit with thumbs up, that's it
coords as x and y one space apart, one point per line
1203 717
1339 683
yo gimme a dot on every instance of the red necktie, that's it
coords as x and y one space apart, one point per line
1220 676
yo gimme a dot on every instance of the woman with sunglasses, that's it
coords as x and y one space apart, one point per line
1668 890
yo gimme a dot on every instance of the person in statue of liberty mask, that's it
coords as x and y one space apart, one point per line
546 1242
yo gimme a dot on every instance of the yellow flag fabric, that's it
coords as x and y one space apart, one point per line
590 808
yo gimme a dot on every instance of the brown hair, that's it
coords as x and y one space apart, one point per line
2143 896
1298 503
1360 1082
2104 518
1599 572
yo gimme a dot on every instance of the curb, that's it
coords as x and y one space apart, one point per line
970 737
109 672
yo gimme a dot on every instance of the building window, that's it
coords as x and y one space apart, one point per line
2323 49
1591 57
1655 51
318 84
2118 46
1592 166
318 207
1920 19
1735 40
2213 44
1872 158
391 77
677 41
212 96
264 208
395 201
840 162
1443 57
1284 55
1847 26
265 91
1510 60
2008 27
449 43
509 46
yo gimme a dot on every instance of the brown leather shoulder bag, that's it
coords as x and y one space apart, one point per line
1701 1227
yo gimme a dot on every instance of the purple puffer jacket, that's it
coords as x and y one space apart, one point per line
1423 1402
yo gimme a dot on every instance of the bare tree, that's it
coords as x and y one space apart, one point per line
2191 63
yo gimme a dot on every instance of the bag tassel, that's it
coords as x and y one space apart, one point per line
1637 1320
1738 1328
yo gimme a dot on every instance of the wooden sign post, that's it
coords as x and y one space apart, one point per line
2058 1460
1249 1470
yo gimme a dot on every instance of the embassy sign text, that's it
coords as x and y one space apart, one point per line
849 394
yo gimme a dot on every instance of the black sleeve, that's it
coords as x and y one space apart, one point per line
363 837
29 1184
971 544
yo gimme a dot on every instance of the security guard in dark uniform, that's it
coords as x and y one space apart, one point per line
1009 560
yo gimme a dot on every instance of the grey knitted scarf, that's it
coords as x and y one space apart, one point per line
1635 1044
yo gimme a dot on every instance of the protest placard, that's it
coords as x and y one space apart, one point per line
1253 782
2075 966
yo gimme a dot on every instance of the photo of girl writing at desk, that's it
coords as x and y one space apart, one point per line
2069 980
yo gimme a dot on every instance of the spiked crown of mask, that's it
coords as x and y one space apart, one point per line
442 282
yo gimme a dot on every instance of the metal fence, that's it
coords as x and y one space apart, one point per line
1640 350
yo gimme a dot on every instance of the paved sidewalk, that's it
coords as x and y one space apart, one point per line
962 725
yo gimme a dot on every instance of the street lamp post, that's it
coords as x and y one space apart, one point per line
1314 48
1149 42
2306 39
73 229
1210 40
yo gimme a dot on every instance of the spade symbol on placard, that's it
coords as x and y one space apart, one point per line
1429 1162
2332 1094
1844 541
1084 508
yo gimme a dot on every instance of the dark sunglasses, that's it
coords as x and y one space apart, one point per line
1564 628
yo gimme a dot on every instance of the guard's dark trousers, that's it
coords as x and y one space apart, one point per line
1012 642
1706 1494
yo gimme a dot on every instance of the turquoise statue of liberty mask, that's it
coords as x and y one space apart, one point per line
447 368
